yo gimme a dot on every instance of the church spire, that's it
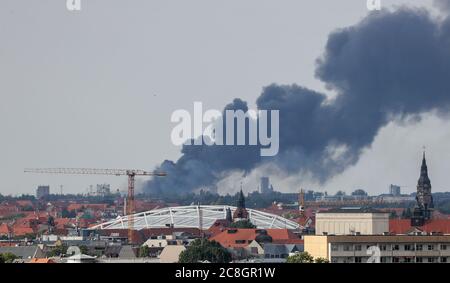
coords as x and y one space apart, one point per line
424 160
241 200
424 198
240 212
424 179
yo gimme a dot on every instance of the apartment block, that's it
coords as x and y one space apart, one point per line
380 248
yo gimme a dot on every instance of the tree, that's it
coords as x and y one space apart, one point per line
57 251
443 206
7 258
144 251
26 197
202 249
68 214
84 249
303 257
321 260
242 224
86 215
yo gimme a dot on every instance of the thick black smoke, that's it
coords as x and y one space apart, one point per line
392 65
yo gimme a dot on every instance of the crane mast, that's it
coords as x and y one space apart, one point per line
131 173
130 208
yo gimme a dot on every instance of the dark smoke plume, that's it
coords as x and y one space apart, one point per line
391 65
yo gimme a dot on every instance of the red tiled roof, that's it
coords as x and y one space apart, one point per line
23 226
6 213
403 226
36 215
308 213
141 205
5 229
9 208
62 223
288 241
85 223
218 226
8 244
440 215
398 211
246 236
42 260
24 203
94 206
302 220
22 231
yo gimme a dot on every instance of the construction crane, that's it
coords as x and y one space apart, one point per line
131 173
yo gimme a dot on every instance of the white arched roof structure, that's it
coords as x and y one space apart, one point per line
195 216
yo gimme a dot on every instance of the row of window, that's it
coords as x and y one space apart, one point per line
276 256
394 247
359 259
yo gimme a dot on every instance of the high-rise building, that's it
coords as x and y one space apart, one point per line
103 189
265 186
394 190
42 191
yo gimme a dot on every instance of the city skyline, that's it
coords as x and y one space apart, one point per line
78 110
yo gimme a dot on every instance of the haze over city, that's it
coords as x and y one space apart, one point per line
96 88
225 139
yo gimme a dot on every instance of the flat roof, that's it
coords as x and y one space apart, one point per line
384 238
353 210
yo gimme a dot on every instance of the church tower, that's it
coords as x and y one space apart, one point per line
424 197
424 200
240 213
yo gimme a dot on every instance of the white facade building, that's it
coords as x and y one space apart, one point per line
350 221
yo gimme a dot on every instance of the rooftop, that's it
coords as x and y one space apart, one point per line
239 238
385 238
352 209
403 226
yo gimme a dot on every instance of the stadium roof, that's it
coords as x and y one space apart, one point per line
195 216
